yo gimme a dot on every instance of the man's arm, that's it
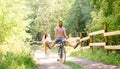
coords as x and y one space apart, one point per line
65 34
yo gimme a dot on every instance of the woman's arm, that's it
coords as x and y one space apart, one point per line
49 37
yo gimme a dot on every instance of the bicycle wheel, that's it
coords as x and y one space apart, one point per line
62 55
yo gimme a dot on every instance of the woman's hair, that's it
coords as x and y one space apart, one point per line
45 36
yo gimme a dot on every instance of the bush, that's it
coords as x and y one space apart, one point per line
15 57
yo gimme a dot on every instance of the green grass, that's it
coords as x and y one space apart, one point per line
16 57
98 55
73 65
36 47
55 49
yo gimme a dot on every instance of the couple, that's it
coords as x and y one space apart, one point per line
60 33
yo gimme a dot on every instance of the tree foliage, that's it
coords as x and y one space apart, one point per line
77 15
13 20
106 11
14 23
47 14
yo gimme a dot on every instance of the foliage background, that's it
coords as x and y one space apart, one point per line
21 20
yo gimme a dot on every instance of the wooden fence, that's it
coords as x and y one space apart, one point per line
105 34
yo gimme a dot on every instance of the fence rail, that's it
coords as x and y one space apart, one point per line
112 33
105 35
85 38
97 32
113 47
97 44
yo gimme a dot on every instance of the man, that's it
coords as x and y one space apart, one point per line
60 34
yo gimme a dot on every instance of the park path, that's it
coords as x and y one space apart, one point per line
87 64
48 62
51 62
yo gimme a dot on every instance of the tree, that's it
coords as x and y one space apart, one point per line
78 16
13 20
106 11
47 14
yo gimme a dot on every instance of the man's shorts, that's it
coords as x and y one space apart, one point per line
60 39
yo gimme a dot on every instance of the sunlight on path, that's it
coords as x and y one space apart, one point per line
48 62
51 62
87 64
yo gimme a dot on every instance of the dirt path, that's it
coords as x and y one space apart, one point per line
48 63
51 62
87 64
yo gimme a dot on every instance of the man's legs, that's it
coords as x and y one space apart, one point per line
53 44
74 46
68 43
56 41
59 40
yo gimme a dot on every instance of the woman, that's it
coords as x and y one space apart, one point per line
46 42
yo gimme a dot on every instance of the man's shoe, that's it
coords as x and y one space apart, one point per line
76 45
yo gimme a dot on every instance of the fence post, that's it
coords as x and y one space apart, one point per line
106 37
80 38
91 39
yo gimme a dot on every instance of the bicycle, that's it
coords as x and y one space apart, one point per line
62 51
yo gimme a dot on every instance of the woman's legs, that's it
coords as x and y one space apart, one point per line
46 48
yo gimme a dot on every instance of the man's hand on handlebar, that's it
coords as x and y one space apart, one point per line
66 37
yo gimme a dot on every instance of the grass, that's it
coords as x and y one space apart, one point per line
98 55
16 57
73 65
36 47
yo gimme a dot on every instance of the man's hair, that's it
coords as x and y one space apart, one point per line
60 21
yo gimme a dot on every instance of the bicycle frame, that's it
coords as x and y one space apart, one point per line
61 51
